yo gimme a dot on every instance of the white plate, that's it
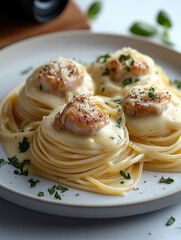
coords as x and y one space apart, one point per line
84 47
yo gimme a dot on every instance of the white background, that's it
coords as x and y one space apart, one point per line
23 224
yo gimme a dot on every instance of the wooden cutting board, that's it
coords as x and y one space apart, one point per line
12 29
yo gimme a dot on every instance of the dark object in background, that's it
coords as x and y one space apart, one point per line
38 10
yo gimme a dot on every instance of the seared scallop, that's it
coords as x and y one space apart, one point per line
143 102
60 76
128 63
81 116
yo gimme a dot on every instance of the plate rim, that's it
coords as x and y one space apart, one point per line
78 33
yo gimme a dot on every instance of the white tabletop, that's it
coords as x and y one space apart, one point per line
23 224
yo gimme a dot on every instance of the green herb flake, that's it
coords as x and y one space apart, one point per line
62 188
122 182
119 121
176 83
151 95
127 68
132 62
126 176
2 161
94 9
166 180
112 138
16 172
103 58
107 103
19 165
26 71
57 196
41 194
170 221
124 57
52 190
119 137
103 89
33 182
41 87
118 101
128 81
24 145
152 89
14 161
106 72
24 172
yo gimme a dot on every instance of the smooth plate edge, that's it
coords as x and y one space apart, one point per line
174 194
86 32
87 211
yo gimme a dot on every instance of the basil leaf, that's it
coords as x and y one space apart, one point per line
163 19
94 9
143 29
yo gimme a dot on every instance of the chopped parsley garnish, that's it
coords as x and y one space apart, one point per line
41 194
118 101
52 190
152 89
119 137
33 182
16 172
102 89
58 187
57 196
166 180
107 103
106 72
127 57
119 121
27 70
24 145
112 138
151 95
126 176
41 87
62 188
128 81
2 161
103 58
19 165
127 68
132 62
176 83
122 182
124 57
170 221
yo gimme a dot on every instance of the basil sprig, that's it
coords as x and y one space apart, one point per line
148 30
